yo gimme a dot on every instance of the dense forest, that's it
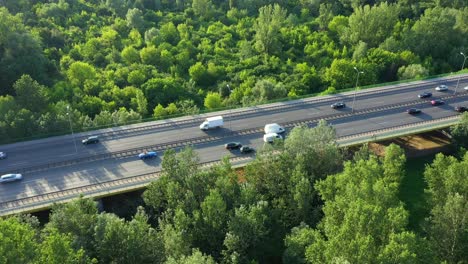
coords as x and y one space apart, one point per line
101 63
304 201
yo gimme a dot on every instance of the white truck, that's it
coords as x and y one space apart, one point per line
270 137
274 128
212 122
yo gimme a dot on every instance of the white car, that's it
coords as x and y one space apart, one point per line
3 155
442 88
466 88
11 177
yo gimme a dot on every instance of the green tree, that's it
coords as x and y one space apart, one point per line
79 72
18 241
130 55
135 19
202 8
77 218
56 248
213 100
363 219
150 55
30 94
379 21
459 132
195 258
267 28
412 71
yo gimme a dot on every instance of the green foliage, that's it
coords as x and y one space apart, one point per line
18 241
459 132
447 193
267 26
364 220
213 100
412 71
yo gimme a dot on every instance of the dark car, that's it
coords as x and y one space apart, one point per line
437 102
90 140
147 155
413 111
232 145
425 95
338 105
461 109
246 149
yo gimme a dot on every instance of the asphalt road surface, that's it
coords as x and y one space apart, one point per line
46 151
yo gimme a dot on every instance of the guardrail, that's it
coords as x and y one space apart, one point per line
112 187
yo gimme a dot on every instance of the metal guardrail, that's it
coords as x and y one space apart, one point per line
106 188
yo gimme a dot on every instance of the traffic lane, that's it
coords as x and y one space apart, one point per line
61 150
181 134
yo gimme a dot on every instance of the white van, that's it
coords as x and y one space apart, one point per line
270 137
212 122
274 128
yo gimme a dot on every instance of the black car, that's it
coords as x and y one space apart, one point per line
425 95
232 145
461 109
246 149
413 111
90 140
338 105
437 102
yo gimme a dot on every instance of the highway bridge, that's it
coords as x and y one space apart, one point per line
53 171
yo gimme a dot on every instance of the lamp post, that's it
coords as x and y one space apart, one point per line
355 90
71 128
463 66
230 117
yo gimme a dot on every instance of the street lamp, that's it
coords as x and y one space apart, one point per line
230 117
355 90
71 128
463 66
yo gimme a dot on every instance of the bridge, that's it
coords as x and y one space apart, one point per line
54 172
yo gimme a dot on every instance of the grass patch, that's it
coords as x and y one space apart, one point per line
412 191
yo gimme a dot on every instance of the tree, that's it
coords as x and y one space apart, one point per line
379 21
77 218
130 55
202 8
30 94
79 72
267 28
412 71
195 258
18 241
135 19
149 55
459 132
364 221
142 103
447 189
213 100
56 248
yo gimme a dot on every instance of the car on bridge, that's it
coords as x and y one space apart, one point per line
413 111
90 140
437 102
11 177
233 145
338 105
461 109
246 149
3 155
465 88
425 95
441 88
148 155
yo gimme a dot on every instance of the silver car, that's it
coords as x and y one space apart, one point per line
3 155
11 177
441 88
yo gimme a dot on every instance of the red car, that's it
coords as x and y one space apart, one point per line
437 102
